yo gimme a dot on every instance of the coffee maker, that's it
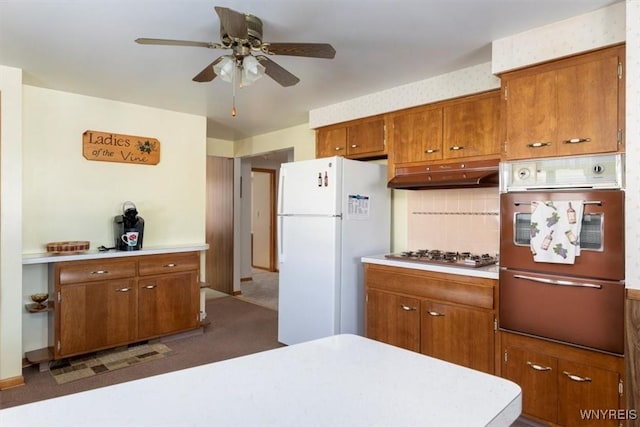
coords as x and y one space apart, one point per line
128 228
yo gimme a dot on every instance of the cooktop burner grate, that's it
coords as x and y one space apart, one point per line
436 256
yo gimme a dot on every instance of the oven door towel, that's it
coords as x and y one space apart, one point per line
555 230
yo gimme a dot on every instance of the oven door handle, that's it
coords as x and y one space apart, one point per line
586 202
557 282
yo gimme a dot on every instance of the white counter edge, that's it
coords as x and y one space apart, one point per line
44 258
489 272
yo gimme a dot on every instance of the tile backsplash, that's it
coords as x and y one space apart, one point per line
455 220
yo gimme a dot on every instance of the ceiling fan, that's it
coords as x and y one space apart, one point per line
242 33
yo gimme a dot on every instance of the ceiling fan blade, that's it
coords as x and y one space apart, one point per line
169 42
234 23
207 74
277 73
313 50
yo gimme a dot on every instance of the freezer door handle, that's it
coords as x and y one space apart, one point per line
557 282
281 256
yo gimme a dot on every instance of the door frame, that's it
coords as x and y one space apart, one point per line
272 213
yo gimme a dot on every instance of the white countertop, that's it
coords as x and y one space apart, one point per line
43 258
343 380
488 272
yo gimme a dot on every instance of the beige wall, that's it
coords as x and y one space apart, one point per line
300 138
10 222
67 197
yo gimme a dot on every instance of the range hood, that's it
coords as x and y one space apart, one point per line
460 174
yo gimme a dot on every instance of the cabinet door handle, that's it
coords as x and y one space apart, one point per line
170 265
539 367
407 308
123 289
354 145
434 313
150 287
456 148
431 150
100 272
576 378
576 140
338 148
538 144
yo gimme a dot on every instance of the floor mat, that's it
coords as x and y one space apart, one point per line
77 368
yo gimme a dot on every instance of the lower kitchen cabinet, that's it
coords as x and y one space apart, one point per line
167 304
95 315
110 302
394 319
461 335
450 317
562 384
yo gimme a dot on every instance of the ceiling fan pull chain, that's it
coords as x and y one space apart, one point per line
233 89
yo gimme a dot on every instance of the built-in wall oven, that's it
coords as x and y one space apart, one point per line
574 291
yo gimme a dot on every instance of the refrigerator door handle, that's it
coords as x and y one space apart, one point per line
281 256
281 192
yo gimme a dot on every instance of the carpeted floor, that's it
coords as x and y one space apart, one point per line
237 328
262 289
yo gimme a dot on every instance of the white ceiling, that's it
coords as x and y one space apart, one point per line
87 47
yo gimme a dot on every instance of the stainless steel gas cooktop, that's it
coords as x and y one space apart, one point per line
453 259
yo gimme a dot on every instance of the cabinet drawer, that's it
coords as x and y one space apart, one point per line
161 264
471 291
93 271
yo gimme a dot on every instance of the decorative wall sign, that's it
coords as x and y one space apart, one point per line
113 147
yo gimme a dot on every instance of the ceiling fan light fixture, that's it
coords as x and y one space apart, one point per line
225 69
252 70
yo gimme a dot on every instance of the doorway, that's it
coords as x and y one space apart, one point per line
263 219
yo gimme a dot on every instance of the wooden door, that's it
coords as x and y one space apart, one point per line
331 141
95 315
583 388
587 107
219 224
459 335
471 127
417 136
393 319
366 137
531 112
537 375
168 303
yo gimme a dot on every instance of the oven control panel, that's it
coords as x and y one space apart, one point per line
601 171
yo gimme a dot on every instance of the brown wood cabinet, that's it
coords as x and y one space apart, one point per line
571 106
450 317
559 383
359 139
110 302
462 128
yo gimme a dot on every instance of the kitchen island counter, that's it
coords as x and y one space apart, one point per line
342 380
487 272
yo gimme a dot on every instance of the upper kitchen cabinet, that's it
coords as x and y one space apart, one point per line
417 135
567 107
460 128
471 126
359 139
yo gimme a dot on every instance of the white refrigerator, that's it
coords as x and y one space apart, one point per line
331 212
